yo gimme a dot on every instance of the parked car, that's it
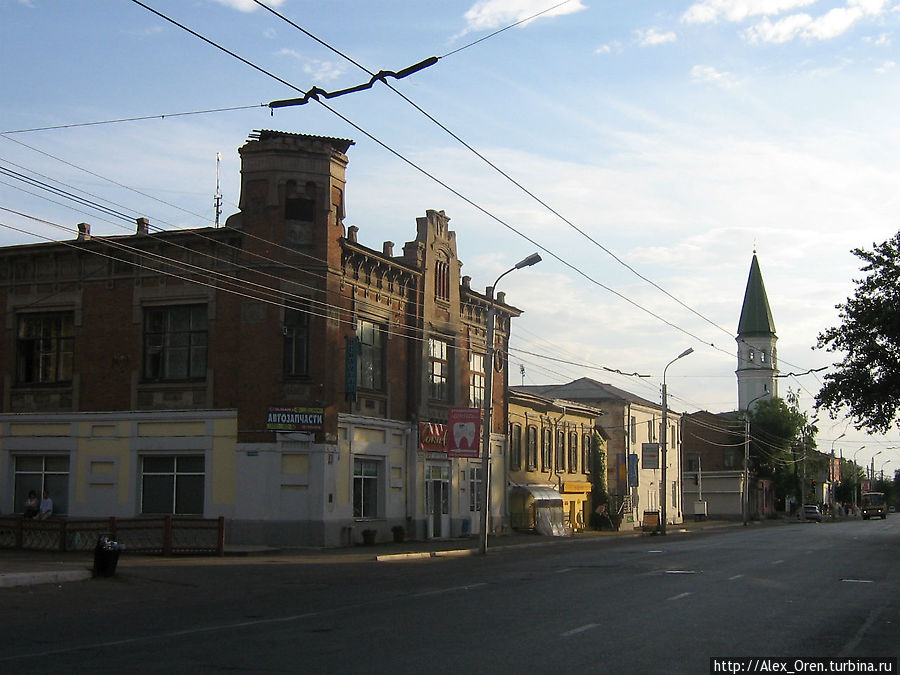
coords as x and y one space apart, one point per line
811 512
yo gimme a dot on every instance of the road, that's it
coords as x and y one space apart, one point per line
641 605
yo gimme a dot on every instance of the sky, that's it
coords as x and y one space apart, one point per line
644 148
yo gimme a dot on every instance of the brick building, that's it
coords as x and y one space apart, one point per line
274 371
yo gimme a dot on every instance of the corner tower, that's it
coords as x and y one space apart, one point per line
757 369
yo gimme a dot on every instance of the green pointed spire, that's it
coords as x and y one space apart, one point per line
756 317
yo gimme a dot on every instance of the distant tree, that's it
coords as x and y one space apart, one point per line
778 430
867 379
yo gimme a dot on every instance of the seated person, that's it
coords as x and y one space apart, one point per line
32 505
46 507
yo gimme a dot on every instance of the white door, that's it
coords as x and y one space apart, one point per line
437 501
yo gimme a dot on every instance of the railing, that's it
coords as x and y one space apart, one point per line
167 535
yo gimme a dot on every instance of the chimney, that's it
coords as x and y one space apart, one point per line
84 232
467 282
143 226
351 233
388 248
501 297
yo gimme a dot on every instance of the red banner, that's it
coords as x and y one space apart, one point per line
464 439
433 436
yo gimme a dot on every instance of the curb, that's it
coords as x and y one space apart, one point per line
32 578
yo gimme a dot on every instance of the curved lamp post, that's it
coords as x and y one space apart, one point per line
884 464
665 428
533 259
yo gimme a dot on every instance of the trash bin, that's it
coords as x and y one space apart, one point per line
106 556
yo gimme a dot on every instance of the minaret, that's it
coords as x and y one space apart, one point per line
757 357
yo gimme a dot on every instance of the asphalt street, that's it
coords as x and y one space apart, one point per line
642 605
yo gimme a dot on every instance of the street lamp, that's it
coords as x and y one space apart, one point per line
872 472
886 462
745 497
665 405
533 259
856 474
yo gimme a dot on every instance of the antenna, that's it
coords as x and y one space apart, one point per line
217 202
522 372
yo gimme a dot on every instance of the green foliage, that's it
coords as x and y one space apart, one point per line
778 433
867 379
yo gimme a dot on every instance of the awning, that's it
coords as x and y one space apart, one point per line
547 496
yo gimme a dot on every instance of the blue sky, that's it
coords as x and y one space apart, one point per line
679 136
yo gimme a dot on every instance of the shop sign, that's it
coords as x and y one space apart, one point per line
650 455
295 419
432 436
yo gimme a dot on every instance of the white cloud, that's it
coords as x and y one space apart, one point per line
650 37
489 14
886 66
323 71
712 75
248 5
320 71
784 30
833 23
709 11
614 47
882 40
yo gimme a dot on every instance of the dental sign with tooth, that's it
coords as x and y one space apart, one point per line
464 437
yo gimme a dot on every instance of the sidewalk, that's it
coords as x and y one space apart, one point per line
25 568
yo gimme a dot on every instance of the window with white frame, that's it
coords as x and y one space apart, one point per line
172 484
175 340
45 347
476 380
438 369
475 488
42 472
365 487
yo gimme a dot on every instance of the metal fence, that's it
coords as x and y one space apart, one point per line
167 535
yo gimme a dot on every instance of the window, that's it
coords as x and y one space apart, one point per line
515 446
650 431
44 347
560 451
299 206
365 488
296 342
39 473
439 369
175 342
751 355
371 355
476 380
172 484
633 430
573 451
442 280
762 356
692 460
475 488
587 460
546 446
531 448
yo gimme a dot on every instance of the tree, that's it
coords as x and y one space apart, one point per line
777 429
867 380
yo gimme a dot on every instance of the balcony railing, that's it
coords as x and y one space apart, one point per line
166 535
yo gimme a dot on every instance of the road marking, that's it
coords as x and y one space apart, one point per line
564 569
679 596
453 589
654 551
777 562
580 629
857 581
736 576
681 571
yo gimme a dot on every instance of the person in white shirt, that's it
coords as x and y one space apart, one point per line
46 507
